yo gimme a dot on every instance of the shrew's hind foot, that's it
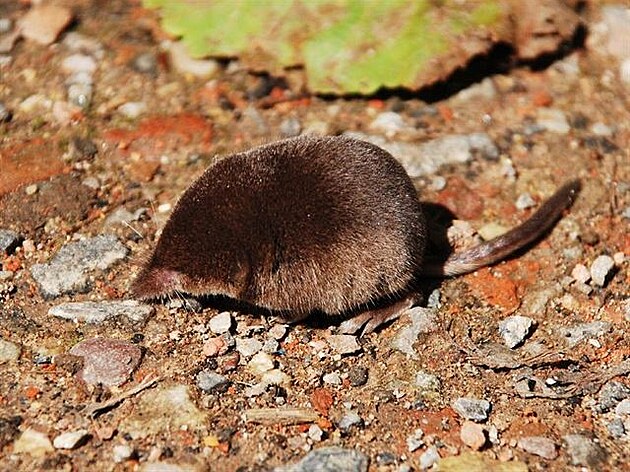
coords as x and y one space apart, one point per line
370 320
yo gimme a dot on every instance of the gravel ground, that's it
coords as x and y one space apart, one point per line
521 366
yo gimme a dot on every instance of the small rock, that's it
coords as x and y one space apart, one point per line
610 395
427 382
107 361
8 351
553 120
121 452
278 331
209 381
99 312
538 445
357 376
329 459
423 320
514 330
77 63
601 268
183 63
438 183
44 22
5 25
80 43
429 458
33 442
573 335
332 378
69 269
348 420
414 441
583 451
71 440
580 273
616 428
472 408
260 363
623 408
492 230
247 347
122 216
221 323
315 433
132 110
290 127
389 123
473 435
343 343
9 241
524 201
80 94
145 63
600 129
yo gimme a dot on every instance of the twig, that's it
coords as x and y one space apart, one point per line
96 409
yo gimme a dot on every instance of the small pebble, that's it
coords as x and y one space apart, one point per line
9 241
389 123
473 435
214 347
278 331
260 363
271 346
121 452
31 189
107 361
329 459
438 183
315 433
71 439
80 95
5 25
357 376
578 333
290 127
210 381
247 347
183 63
616 428
600 129
132 110
349 420
492 230
472 408
99 312
44 22
429 458
427 382
332 378
583 451
623 408
423 320
538 445
32 442
386 458
414 441
525 201
221 323
145 63
601 268
514 330
553 120
343 343
580 273
8 351
610 395
79 63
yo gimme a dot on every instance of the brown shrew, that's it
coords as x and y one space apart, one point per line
312 225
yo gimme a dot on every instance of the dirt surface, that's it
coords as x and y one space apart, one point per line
65 169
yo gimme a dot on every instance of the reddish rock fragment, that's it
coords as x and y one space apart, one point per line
107 361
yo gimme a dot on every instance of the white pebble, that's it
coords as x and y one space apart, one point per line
553 120
600 269
260 363
69 440
514 329
132 110
600 129
221 323
580 273
524 201
332 378
164 208
121 452
79 63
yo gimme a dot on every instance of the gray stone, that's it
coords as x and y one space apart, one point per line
290 127
583 451
8 351
358 376
428 157
389 123
623 408
538 445
221 323
348 420
524 201
514 330
610 395
69 269
429 458
132 110
33 442
343 343
601 269
332 378
427 382
107 361
423 321
99 312
315 433
553 120
5 25
121 452
210 381
146 63
9 240
472 408
573 335
260 363
616 428
80 94
247 347
473 435
329 459
71 439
